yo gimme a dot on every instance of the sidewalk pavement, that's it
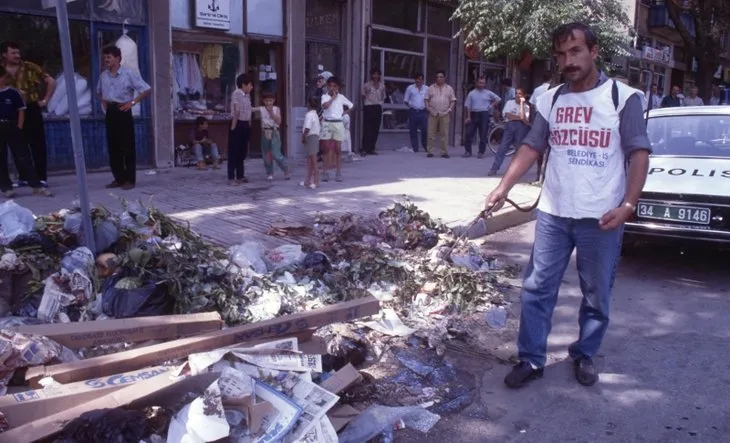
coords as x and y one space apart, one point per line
451 189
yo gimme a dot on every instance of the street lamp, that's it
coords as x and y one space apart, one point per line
75 120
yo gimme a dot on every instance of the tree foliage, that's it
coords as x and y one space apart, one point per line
711 21
512 27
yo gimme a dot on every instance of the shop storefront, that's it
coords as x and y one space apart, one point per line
214 42
93 25
653 64
324 40
407 37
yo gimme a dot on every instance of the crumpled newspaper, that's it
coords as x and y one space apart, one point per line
73 283
19 350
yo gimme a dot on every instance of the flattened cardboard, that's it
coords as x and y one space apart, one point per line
342 379
129 330
341 415
156 354
23 407
152 392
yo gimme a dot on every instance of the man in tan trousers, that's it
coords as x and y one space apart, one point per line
440 100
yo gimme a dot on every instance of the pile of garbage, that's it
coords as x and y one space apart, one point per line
151 279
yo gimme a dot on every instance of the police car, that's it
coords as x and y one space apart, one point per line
687 192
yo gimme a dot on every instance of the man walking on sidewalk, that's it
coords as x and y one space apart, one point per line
479 107
116 89
37 88
373 95
417 118
440 100
593 125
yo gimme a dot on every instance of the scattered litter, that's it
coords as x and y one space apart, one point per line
390 324
377 419
289 229
497 317
15 221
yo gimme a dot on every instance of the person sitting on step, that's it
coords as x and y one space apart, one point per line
200 141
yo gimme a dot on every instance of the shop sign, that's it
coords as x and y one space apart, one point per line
657 55
213 14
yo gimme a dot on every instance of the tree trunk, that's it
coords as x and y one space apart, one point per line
706 68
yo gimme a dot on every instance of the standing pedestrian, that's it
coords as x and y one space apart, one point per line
440 100
240 132
310 140
673 100
715 98
479 105
693 99
335 106
271 138
517 120
417 118
593 125
654 100
37 88
373 95
12 119
321 90
116 88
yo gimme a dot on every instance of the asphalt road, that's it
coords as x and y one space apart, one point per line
665 362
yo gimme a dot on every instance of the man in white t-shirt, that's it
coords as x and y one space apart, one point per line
517 119
334 107
593 125
547 78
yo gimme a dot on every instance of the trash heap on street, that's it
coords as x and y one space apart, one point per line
346 329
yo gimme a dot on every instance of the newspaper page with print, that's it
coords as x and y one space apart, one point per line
200 361
280 421
314 400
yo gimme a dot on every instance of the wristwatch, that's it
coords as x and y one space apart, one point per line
630 206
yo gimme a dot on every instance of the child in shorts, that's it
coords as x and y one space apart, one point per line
334 106
310 140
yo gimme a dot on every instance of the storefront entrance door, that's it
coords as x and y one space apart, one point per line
266 66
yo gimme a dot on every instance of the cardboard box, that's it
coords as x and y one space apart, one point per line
23 407
341 415
163 352
152 392
342 379
130 330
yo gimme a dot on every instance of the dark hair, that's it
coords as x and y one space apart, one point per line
243 79
267 94
333 81
547 76
375 71
200 120
482 77
441 71
112 50
564 32
3 72
4 46
418 75
507 82
313 102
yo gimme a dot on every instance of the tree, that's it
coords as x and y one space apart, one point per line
711 20
514 27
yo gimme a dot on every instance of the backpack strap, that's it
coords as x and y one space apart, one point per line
614 95
555 97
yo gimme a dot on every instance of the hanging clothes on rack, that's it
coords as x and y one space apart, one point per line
211 61
187 73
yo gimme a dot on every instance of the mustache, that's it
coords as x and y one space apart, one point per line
571 69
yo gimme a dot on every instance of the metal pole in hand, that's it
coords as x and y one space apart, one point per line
75 121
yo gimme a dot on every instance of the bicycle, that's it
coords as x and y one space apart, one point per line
495 139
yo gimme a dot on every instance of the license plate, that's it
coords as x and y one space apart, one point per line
683 214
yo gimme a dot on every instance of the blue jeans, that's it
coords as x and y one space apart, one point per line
418 121
199 152
514 133
597 258
479 123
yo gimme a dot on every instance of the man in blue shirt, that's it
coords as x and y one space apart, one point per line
116 88
479 106
12 119
417 116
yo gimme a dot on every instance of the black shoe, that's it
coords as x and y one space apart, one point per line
466 155
585 372
445 156
373 153
113 185
521 374
429 155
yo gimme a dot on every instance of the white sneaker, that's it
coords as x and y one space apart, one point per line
271 177
312 186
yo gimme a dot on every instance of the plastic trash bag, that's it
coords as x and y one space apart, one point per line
283 257
15 220
316 261
146 300
248 255
106 232
377 419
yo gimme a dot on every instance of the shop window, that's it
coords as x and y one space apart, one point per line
204 77
324 19
438 59
402 65
117 11
439 21
78 8
392 40
402 14
395 114
326 55
265 17
39 41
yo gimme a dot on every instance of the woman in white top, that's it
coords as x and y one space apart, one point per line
271 139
